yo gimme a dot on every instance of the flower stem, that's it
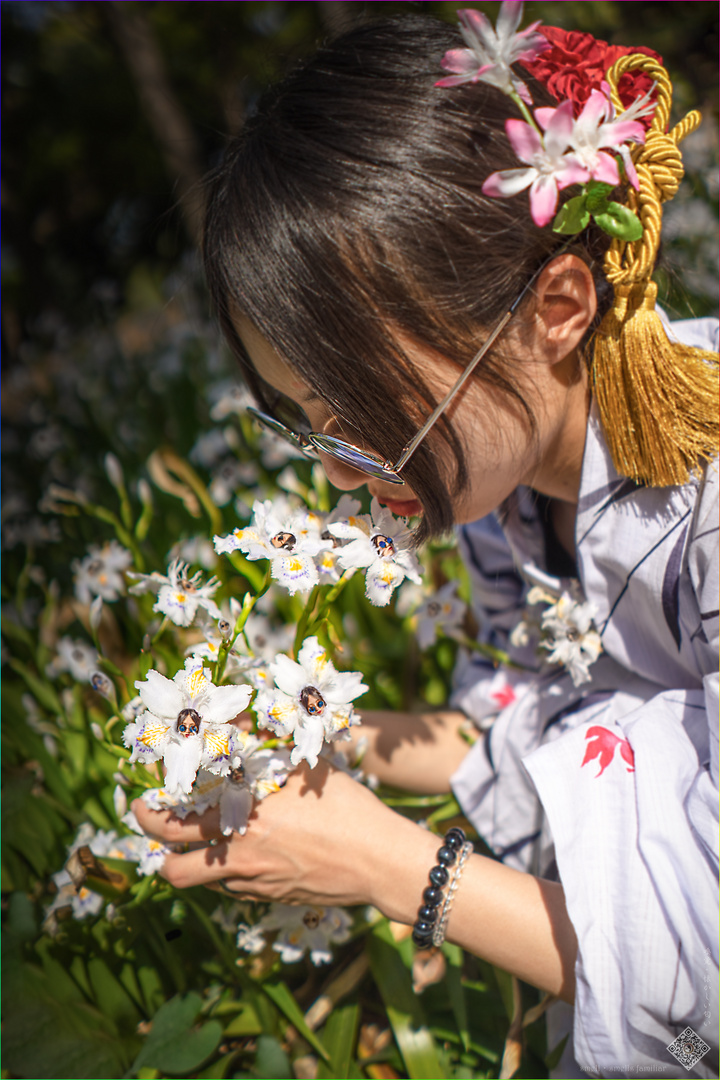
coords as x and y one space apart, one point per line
527 115
498 656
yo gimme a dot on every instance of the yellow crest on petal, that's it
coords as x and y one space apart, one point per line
195 682
203 787
217 743
267 787
153 734
282 711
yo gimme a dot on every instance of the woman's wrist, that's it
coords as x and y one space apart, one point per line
511 919
399 866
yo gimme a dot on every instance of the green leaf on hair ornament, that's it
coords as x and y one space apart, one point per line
612 217
596 195
572 217
619 222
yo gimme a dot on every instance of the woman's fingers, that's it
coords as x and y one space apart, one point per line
164 825
198 867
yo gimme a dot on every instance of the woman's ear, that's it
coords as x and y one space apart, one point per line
565 306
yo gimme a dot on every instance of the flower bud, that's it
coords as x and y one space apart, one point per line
97 731
113 468
119 801
96 610
144 492
102 685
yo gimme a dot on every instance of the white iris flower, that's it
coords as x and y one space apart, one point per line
100 573
302 928
76 657
312 701
378 543
179 595
286 538
572 638
441 611
186 723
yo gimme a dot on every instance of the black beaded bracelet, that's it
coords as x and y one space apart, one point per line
423 929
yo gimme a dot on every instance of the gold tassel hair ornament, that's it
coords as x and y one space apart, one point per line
658 400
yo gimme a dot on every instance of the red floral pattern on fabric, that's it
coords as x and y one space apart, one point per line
576 64
505 696
603 744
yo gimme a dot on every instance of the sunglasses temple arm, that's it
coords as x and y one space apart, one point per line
440 409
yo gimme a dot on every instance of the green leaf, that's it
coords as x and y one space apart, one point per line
572 217
281 996
340 1036
596 194
620 222
174 1045
50 1031
247 1023
504 981
271 1061
404 1011
219 1068
456 991
111 997
42 691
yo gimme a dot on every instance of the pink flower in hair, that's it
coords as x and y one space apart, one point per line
491 51
550 168
597 129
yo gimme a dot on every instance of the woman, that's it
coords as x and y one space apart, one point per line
359 257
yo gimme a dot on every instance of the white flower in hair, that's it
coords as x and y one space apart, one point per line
100 573
379 543
597 128
286 539
179 595
303 928
550 168
311 702
186 723
490 52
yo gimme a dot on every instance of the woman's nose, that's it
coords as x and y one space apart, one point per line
340 475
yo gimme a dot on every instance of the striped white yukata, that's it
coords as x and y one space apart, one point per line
612 786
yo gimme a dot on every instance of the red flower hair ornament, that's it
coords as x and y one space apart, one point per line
580 142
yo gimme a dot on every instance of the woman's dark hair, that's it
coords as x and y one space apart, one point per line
348 216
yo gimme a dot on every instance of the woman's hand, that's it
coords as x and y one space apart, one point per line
326 839
318 840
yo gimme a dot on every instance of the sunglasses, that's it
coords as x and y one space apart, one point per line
373 464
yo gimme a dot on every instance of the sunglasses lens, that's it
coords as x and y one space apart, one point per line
355 457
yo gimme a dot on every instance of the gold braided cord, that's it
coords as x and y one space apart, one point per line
657 400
